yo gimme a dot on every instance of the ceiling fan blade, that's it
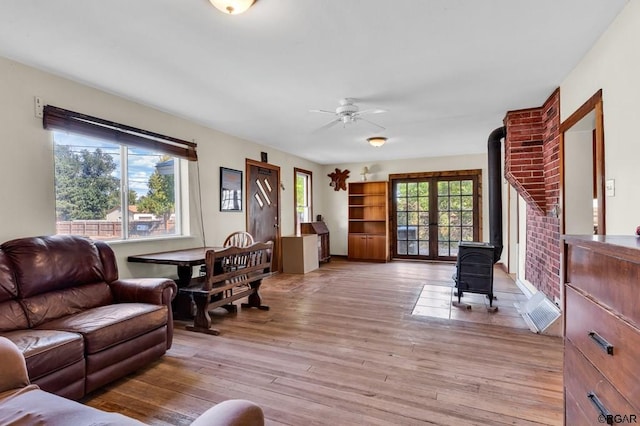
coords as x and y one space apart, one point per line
370 111
322 111
328 125
371 122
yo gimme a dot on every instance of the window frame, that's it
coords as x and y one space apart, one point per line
309 195
124 139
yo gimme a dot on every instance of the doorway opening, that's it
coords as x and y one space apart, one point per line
583 183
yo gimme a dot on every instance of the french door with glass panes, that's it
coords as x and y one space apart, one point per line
432 212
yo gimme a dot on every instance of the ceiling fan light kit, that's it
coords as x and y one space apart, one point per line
377 141
232 7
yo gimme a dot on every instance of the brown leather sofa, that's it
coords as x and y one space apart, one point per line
22 403
78 325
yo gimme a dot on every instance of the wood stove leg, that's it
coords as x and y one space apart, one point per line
491 298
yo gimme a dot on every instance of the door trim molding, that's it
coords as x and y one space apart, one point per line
594 103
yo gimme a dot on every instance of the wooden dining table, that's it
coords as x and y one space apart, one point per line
184 260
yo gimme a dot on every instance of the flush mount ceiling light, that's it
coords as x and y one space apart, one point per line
232 7
377 141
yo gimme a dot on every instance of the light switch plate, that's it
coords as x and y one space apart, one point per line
610 187
38 107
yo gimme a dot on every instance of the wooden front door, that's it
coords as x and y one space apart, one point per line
263 205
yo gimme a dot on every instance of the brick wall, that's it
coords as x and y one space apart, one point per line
532 166
524 162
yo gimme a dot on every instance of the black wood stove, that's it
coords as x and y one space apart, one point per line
474 269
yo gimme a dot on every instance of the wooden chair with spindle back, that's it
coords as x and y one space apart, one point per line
239 239
235 239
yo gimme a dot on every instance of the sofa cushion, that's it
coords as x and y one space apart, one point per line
56 304
107 326
43 264
46 351
113 363
32 406
109 263
12 316
8 288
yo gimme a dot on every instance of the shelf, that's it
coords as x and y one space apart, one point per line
368 221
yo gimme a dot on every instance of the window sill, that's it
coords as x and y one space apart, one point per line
151 240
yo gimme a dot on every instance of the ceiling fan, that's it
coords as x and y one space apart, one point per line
348 112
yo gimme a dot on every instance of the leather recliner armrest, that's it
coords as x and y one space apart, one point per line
233 412
13 368
157 291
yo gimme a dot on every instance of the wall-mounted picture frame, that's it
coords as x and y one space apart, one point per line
230 190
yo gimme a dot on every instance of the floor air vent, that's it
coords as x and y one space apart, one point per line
538 312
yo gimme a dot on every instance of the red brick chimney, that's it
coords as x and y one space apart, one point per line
532 167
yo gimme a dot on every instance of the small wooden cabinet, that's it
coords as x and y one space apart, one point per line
319 228
368 221
602 334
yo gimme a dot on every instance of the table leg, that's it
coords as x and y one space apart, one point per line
255 301
183 304
202 320
184 275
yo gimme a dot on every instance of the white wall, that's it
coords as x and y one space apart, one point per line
578 182
27 176
613 65
336 211
513 223
525 285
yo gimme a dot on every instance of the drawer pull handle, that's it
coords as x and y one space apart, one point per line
606 414
606 346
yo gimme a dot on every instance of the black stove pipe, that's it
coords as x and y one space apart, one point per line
495 190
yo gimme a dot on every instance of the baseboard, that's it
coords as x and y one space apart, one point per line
524 289
339 256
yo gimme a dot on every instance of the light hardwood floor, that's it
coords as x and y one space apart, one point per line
340 346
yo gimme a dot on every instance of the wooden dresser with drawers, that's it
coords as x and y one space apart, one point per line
602 329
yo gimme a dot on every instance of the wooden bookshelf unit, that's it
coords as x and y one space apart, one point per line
368 221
